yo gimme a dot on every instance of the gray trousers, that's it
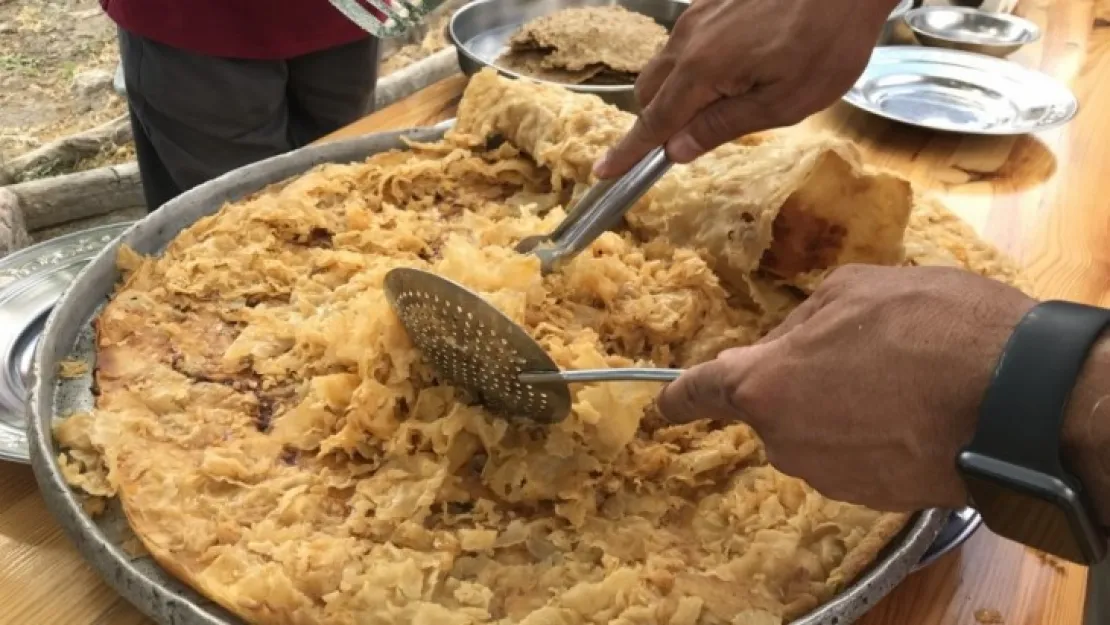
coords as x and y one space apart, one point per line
1097 609
196 117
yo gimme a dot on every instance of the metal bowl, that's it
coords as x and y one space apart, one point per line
895 31
481 30
68 335
971 30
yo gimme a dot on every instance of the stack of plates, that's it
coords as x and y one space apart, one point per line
962 85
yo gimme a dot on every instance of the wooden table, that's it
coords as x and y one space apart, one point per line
1044 199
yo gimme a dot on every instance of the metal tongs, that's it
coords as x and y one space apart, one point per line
601 208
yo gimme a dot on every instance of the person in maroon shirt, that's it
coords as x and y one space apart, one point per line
213 85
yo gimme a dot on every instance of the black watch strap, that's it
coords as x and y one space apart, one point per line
1013 465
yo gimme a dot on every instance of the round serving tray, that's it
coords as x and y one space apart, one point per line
480 32
68 335
31 281
961 92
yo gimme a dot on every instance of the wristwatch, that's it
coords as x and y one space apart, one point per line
1013 468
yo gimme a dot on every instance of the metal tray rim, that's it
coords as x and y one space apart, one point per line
154 594
886 55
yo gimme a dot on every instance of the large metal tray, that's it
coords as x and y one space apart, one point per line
68 334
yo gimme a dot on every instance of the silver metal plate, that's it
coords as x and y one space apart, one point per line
103 540
481 30
955 91
31 281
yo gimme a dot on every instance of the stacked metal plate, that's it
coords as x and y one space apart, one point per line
957 81
31 281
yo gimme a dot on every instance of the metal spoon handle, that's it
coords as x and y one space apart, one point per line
602 207
601 375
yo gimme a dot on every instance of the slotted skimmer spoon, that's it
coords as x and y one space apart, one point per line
478 348
396 19
600 209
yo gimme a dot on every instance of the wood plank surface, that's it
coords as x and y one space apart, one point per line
1045 199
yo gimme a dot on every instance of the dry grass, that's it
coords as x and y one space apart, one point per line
46 43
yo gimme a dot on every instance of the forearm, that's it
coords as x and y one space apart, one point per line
1086 436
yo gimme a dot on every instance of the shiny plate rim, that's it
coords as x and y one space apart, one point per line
887 55
33 263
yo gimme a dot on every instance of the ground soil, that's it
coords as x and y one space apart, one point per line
44 44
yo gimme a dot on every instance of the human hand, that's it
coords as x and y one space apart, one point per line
734 67
870 388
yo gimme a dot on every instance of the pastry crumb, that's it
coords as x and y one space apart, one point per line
72 368
1053 562
985 616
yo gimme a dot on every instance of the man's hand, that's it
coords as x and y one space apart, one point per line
870 388
733 67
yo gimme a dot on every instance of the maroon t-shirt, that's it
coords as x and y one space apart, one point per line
244 29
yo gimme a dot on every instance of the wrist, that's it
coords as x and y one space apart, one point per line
1018 468
1085 444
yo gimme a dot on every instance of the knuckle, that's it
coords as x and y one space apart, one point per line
680 401
734 84
718 125
652 124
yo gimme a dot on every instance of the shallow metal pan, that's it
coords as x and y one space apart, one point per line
481 30
68 334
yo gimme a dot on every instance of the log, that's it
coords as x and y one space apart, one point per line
67 150
56 200
13 230
50 201
408 80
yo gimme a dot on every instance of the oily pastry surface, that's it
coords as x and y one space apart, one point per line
277 442
577 45
531 63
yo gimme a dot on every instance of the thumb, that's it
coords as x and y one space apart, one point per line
678 100
708 390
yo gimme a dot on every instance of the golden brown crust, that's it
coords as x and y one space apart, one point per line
277 443
729 204
578 38
864 555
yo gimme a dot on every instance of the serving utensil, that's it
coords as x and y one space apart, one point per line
600 209
397 17
478 348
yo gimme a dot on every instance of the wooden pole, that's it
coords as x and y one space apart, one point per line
52 201
66 151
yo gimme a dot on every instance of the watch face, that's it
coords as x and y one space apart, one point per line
1035 510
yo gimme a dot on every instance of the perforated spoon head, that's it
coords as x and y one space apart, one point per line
476 347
